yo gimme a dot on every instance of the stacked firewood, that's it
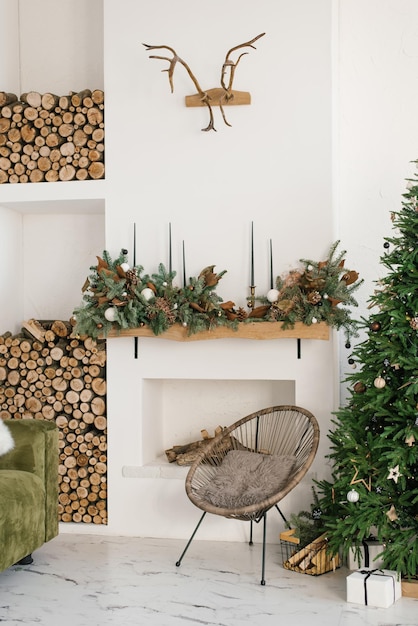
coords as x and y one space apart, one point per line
186 454
48 373
44 137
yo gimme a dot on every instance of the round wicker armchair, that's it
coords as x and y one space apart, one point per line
252 465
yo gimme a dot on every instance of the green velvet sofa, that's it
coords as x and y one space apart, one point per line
28 490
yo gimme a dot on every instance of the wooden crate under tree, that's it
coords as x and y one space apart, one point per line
409 588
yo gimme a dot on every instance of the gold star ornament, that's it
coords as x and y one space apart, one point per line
356 480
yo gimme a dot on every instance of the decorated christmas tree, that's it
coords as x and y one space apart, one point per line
374 437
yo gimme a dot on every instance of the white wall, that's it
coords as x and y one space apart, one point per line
321 153
11 260
69 244
11 275
376 128
61 45
273 166
9 47
46 250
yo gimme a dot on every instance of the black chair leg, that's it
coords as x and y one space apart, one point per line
251 533
263 562
283 517
178 563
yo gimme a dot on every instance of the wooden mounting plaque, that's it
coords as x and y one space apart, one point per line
217 97
250 330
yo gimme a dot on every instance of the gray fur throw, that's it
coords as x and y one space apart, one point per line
245 478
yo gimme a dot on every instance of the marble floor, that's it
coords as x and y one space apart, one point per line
90 580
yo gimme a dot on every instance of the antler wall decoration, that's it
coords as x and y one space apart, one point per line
218 96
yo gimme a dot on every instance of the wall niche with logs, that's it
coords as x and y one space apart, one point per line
221 96
46 373
50 138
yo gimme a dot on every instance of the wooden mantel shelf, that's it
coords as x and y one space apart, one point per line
250 330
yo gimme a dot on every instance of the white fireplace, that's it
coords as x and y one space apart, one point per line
172 391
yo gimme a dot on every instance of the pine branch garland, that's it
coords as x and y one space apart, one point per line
120 297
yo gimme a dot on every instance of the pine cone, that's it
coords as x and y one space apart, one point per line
314 297
242 314
164 305
131 278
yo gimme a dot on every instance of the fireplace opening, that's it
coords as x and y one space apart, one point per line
176 410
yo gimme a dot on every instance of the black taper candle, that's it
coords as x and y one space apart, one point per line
252 254
271 265
170 263
134 261
184 266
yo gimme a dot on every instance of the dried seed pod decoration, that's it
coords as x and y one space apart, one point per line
350 277
259 311
151 286
101 264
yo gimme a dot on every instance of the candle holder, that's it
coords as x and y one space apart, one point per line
251 299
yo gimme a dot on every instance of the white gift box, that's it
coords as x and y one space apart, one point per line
374 587
369 550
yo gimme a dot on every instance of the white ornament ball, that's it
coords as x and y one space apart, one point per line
379 382
147 293
272 295
353 495
110 314
314 320
184 324
125 266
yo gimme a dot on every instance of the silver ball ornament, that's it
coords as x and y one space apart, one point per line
353 495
